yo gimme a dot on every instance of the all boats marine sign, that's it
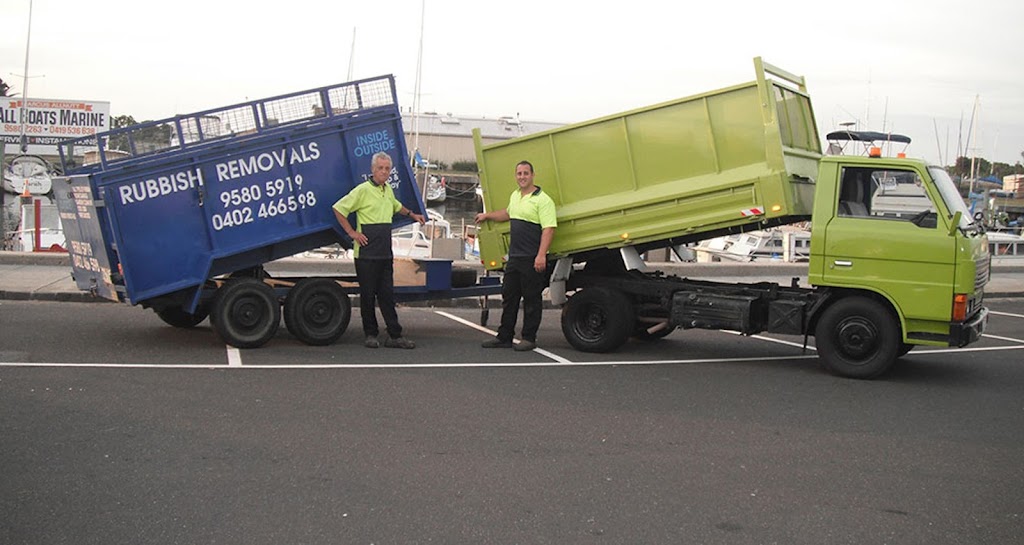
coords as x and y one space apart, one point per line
48 122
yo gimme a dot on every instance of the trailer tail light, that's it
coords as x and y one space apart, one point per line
959 307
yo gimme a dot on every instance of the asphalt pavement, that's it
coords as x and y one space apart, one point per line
45 276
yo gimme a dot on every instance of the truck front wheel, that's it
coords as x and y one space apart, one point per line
597 320
246 313
857 337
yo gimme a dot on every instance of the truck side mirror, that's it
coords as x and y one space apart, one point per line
953 225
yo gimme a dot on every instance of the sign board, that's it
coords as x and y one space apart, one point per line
48 122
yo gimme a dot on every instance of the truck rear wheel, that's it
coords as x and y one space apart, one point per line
597 320
857 337
317 311
246 313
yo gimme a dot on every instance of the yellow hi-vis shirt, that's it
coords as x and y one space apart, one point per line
529 216
375 207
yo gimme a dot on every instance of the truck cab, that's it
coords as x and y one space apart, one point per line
895 234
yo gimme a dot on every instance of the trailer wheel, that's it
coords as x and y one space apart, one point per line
178 317
246 313
597 320
463 277
857 337
317 311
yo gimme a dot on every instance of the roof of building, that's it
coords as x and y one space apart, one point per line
501 128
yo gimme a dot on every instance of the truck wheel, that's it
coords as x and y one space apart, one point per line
317 311
246 313
904 348
597 320
857 337
177 317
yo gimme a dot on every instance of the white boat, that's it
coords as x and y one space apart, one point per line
780 244
51 234
27 172
1005 244
417 241
436 191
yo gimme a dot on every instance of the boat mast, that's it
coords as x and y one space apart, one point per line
24 82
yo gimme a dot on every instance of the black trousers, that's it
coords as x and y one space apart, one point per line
377 285
521 282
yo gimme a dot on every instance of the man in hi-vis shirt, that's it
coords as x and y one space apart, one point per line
532 216
375 205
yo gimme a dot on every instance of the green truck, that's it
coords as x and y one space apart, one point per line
896 259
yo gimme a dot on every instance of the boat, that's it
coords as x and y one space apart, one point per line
1005 244
436 191
27 172
417 241
779 244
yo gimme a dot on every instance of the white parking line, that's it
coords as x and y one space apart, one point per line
234 357
540 351
769 339
1006 314
470 365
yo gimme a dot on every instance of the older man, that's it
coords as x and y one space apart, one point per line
375 205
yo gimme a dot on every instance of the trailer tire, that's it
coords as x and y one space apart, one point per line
178 317
857 337
463 277
317 311
597 320
246 313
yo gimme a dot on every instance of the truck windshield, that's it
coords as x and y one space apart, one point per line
951 196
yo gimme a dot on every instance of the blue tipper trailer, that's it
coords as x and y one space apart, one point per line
182 217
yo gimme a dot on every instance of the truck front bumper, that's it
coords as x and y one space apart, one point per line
965 333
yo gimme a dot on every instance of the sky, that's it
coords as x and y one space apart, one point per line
920 68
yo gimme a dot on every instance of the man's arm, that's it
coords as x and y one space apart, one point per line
355 235
540 263
494 215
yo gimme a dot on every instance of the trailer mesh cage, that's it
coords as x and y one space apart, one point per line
153 138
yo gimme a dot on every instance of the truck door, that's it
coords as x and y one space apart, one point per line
884 237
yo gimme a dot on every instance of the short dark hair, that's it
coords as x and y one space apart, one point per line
527 163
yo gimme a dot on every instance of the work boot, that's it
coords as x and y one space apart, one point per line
525 346
496 343
371 342
400 342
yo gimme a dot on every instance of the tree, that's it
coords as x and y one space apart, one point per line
4 88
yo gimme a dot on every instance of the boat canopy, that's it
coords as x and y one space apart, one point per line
868 136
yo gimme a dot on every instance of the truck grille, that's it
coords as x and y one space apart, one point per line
981 273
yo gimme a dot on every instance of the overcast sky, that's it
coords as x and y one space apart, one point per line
908 66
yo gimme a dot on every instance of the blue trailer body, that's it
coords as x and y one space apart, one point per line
234 187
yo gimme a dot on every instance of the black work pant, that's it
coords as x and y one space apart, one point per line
521 282
377 285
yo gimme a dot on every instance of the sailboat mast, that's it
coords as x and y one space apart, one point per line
416 90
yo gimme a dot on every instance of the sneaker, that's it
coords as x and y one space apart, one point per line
496 343
525 346
371 342
400 342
